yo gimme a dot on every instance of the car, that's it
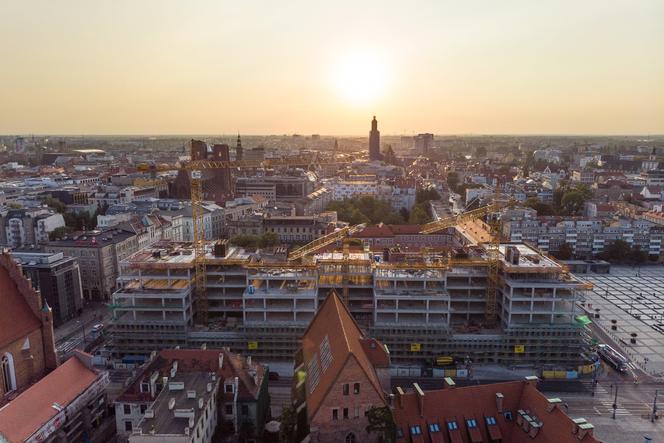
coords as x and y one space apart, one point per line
96 329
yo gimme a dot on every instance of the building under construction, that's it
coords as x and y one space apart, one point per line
426 308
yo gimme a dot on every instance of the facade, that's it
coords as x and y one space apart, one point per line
57 278
513 411
587 237
27 346
347 373
24 227
67 405
374 141
299 228
242 398
98 254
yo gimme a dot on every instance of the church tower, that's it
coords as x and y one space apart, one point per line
374 141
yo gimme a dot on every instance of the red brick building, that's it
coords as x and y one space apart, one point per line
27 347
345 374
513 412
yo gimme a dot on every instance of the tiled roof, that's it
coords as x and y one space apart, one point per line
458 405
332 338
34 408
17 319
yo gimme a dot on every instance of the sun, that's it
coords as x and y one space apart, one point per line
361 77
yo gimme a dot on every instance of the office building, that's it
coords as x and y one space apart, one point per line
57 278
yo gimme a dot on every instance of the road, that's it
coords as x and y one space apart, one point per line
70 335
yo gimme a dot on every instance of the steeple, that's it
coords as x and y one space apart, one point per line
239 152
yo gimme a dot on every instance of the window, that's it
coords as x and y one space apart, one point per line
415 430
507 415
229 409
335 414
434 427
357 412
143 409
471 423
245 410
490 421
7 373
356 388
345 413
229 388
128 426
452 425
350 438
127 409
346 388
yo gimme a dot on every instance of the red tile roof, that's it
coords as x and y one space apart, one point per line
479 402
334 323
32 409
17 319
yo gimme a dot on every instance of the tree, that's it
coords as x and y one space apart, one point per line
58 233
539 206
618 251
419 214
424 195
55 204
268 239
381 421
572 203
566 252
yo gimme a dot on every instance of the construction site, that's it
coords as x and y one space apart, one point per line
477 300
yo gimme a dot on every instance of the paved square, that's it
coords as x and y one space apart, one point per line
634 297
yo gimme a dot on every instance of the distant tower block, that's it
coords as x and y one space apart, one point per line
374 141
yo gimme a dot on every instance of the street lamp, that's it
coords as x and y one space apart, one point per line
82 331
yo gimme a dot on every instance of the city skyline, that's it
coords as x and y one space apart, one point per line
218 68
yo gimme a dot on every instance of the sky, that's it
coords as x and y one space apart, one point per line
281 67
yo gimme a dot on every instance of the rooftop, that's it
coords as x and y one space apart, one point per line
180 404
35 407
512 411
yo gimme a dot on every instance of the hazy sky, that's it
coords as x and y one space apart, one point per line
273 67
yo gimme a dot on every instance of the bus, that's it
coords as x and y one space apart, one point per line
613 357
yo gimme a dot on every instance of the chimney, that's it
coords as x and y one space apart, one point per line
499 402
577 422
531 380
400 395
448 383
534 429
221 360
552 403
390 399
585 429
420 398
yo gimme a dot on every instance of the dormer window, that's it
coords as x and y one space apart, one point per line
229 388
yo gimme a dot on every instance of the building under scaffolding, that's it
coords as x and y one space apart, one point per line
422 310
